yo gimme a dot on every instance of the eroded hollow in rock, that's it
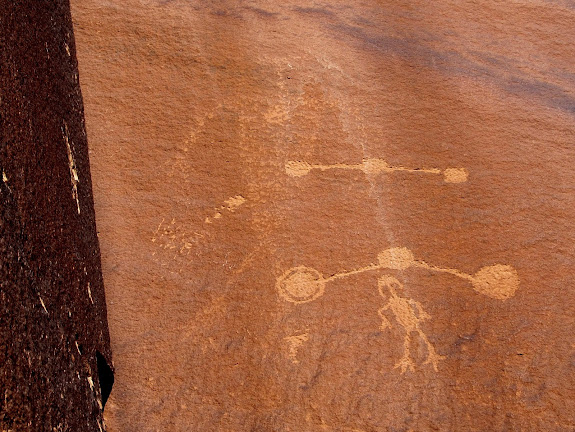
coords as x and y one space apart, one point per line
105 376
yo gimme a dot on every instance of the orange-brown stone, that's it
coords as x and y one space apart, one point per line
339 216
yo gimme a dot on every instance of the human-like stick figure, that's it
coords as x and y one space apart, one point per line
409 314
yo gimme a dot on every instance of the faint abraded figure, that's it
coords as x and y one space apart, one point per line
409 314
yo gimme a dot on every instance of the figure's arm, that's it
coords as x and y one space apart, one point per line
385 324
421 314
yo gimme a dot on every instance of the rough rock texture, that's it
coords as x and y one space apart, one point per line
335 216
54 342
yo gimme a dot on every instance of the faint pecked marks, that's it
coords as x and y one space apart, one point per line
179 238
173 236
374 167
179 165
230 205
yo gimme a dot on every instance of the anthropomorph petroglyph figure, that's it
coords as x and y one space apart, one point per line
409 314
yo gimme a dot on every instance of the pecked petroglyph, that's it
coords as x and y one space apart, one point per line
180 238
375 167
230 205
301 285
304 284
409 314
497 281
294 344
176 237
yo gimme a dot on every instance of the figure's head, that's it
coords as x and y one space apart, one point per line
388 282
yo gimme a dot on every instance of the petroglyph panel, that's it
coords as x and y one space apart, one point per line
423 147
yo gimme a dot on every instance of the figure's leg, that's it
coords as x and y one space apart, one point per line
405 362
432 356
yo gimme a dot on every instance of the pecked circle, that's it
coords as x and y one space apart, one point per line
301 285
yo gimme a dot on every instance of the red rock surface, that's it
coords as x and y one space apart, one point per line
248 156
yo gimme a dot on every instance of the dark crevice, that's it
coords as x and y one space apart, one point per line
105 376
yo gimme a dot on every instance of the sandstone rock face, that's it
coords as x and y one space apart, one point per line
335 216
55 358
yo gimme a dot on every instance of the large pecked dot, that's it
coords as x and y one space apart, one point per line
398 258
301 285
374 166
455 175
497 281
297 168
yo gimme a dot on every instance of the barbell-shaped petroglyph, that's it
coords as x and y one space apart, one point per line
304 284
374 167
